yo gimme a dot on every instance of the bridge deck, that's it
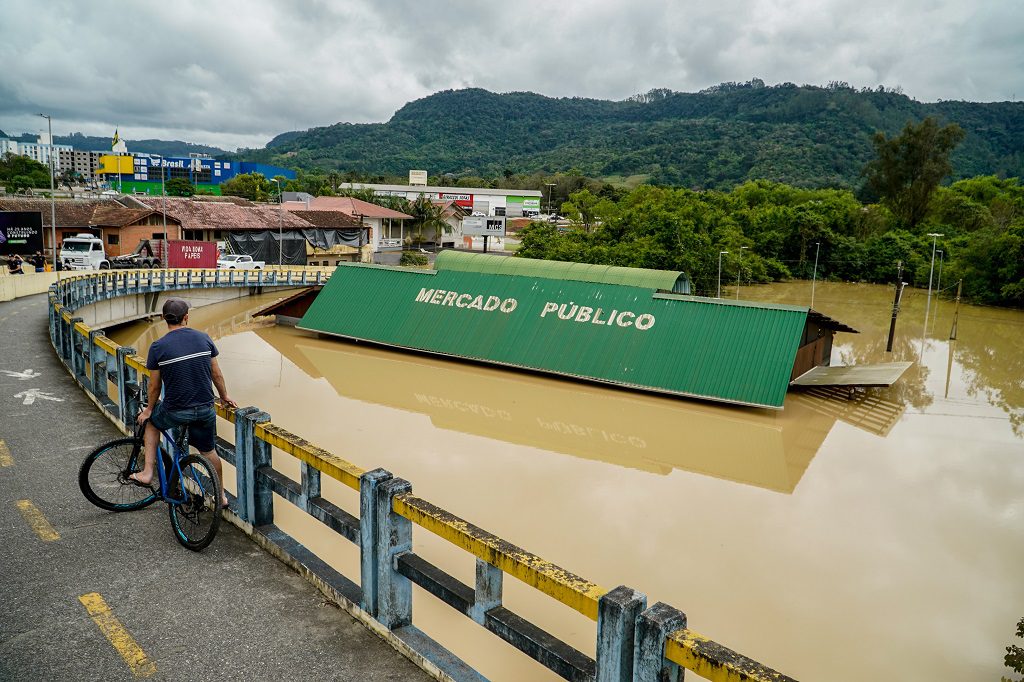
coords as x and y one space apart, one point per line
229 612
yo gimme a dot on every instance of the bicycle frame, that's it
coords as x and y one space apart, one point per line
177 451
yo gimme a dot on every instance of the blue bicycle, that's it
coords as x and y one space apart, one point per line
188 484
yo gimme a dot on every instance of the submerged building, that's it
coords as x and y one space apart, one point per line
629 327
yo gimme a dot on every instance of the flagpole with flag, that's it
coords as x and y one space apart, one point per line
117 146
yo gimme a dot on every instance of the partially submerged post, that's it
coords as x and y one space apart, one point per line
956 311
895 307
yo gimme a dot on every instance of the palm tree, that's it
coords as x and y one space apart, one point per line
429 217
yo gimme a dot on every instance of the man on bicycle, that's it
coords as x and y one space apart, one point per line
184 363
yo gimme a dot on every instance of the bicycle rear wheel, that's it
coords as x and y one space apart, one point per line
103 476
195 520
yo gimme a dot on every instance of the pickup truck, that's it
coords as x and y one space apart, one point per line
239 262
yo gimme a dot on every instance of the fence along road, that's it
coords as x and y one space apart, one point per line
634 641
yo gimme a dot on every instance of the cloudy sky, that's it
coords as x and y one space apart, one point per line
235 73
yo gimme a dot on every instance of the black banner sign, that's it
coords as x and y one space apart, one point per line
21 232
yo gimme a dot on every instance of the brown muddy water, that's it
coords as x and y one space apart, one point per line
872 537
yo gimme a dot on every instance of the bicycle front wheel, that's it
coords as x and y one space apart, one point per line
103 476
196 518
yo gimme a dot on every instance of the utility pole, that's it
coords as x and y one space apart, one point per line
549 186
895 306
53 202
720 254
739 270
280 222
814 277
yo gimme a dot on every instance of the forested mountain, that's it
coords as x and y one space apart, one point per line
717 138
90 143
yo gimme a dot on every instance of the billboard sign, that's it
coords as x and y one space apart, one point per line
531 204
464 200
483 226
417 177
21 232
191 254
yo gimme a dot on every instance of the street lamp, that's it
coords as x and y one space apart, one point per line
53 203
280 223
720 254
549 186
938 282
814 277
739 269
935 236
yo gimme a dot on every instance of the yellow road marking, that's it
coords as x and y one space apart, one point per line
5 456
117 635
36 521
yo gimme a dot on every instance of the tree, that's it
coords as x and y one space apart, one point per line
428 217
252 186
1014 654
585 209
179 187
21 172
909 167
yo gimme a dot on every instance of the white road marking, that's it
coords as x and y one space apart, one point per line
21 376
32 394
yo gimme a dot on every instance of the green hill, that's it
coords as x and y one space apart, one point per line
802 135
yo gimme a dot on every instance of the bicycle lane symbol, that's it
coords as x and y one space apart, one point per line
21 376
29 396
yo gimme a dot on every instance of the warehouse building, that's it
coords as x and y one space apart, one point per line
512 203
142 173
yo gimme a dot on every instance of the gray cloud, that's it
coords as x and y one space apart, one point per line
236 73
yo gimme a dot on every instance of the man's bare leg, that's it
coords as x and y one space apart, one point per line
151 439
215 461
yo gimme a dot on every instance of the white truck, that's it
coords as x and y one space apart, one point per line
233 261
85 252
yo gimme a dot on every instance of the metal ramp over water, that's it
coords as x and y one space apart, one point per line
881 374
868 411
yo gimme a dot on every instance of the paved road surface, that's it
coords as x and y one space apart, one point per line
230 612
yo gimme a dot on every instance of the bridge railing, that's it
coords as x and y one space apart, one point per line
633 641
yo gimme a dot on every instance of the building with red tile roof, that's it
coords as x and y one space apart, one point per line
388 228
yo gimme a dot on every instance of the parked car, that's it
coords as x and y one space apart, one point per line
234 261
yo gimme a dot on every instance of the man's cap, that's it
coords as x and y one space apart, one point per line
174 310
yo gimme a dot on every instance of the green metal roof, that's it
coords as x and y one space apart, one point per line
739 352
663 280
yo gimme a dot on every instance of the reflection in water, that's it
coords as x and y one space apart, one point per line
766 448
898 526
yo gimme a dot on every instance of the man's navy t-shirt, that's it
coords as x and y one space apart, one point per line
183 357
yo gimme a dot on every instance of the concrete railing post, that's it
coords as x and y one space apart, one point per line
122 384
255 496
310 484
65 355
653 626
487 594
617 614
55 330
384 535
77 360
51 317
97 365
368 483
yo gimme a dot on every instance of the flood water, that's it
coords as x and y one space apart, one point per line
878 536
